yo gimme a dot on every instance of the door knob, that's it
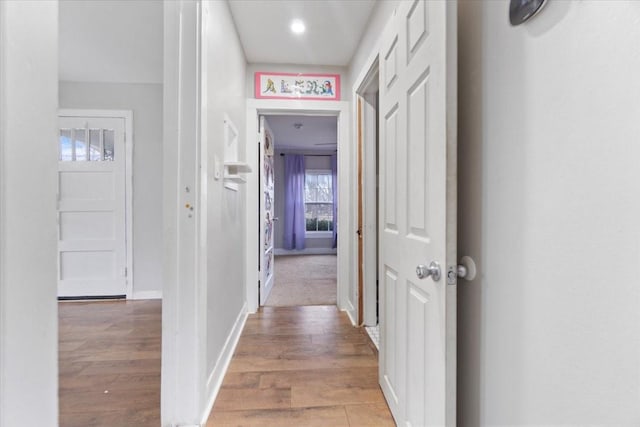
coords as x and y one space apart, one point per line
432 270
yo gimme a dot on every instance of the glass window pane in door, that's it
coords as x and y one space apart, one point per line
64 146
95 152
80 144
109 154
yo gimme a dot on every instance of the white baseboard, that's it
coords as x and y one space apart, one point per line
147 295
222 364
351 311
307 251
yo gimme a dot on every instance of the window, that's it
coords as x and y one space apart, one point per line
84 144
318 200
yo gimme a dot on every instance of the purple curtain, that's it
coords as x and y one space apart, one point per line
294 222
334 186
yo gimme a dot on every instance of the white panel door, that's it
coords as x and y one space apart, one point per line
267 220
91 207
417 212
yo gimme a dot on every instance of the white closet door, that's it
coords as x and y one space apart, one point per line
418 214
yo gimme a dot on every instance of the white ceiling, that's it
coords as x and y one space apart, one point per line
318 133
111 41
334 29
121 40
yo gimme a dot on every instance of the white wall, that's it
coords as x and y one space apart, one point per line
368 46
28 237
182 313
549 204
311 162
104 41
145 100
204 295
224 94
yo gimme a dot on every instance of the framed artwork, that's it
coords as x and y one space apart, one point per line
297 86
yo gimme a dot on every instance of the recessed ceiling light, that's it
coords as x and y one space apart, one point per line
297 26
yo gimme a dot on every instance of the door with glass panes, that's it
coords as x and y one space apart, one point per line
92 259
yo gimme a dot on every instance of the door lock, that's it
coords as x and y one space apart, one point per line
432 270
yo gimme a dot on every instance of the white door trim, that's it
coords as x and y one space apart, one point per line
365 80
346 211
127 115
3 299
369 207
184 271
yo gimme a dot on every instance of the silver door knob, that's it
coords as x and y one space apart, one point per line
432 270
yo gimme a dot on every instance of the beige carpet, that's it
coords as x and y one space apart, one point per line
304 280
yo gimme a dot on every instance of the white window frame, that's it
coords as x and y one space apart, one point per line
317 234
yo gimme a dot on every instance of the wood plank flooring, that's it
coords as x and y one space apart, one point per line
301 366
109 363
294 366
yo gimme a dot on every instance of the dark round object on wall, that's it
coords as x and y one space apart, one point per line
521 11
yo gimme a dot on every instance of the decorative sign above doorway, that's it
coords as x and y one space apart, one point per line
297 86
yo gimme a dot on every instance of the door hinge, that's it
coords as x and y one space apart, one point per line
126 272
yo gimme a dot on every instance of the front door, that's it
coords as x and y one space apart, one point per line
267 220
91 207
418 213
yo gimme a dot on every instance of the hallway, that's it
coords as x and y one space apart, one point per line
302 366
109 362
294 366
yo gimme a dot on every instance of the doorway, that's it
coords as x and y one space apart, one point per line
94 205
111 89
367 125
299 208
339 110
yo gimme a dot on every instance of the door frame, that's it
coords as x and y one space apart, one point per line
127 116
367 128
346 298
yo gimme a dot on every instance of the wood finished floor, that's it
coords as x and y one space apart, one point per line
301 366
109 363
294 366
